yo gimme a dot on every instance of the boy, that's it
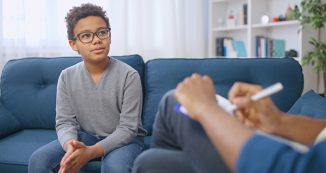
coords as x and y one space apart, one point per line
99 102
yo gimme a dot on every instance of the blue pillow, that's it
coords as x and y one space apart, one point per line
310 104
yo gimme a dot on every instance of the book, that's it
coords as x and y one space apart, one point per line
258 45
278 48
240 48
263 43
220 48
228 48
245 14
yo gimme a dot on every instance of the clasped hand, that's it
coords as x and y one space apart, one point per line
77 155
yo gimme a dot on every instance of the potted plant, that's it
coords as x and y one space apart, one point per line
313 13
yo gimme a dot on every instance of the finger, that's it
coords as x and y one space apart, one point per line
195 76
63 170
239 115
243 102
208 80
63 160
78 144
75 167
72 157
243 89
68 159
248 123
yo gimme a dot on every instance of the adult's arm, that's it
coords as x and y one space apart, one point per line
262 154
266 116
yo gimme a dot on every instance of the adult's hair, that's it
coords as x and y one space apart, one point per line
83 11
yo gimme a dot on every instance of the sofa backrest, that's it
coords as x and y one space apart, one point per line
162 75
28 87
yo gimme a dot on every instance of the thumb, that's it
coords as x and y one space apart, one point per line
242 102
78 144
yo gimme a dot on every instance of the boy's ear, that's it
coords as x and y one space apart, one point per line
110 39
72 44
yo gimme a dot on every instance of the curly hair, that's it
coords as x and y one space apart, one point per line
83 11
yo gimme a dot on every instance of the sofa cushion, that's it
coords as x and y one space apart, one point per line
162 75
8 123
28 87
18 147
310 104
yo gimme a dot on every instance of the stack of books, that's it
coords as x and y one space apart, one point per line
268 47
229 47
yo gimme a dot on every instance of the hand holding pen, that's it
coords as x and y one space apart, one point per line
253 106
241 89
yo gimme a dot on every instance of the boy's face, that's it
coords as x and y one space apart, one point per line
96 50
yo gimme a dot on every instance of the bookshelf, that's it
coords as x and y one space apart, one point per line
246 32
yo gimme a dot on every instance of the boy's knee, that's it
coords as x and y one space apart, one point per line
39 161
37 157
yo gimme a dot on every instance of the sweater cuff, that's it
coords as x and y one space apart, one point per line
64 138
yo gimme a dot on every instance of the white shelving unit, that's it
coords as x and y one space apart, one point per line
219 10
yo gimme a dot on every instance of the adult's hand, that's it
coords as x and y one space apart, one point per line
262 114
197 95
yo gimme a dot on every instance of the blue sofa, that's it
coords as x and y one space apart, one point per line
28 91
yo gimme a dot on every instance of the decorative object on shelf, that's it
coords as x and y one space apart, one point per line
264 19
291 53
275 19
313 13
281 18
290 13
230 21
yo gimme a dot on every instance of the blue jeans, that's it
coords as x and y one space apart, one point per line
47 158
179 145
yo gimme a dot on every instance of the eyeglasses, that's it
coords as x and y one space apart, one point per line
87 37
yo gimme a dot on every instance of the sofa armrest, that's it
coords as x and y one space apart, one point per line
8 123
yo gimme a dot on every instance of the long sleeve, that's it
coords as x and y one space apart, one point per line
130 115
265 155
66 123
109 110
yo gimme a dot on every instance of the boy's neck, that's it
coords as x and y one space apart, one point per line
98 68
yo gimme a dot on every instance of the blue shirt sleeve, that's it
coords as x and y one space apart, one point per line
264 155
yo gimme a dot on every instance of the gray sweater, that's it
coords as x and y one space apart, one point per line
110 109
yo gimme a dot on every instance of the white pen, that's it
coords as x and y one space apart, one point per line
261 94
227 106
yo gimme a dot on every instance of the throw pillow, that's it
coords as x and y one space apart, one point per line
310 104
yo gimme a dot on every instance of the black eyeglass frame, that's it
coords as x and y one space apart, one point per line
94 33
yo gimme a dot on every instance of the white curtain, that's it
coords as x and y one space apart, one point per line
151 28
